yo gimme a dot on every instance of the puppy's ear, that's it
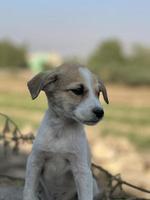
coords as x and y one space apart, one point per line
104 91
38 82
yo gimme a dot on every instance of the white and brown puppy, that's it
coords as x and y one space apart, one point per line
60 161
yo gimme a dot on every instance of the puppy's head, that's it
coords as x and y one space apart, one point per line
72 92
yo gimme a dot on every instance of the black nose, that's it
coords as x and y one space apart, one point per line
98 112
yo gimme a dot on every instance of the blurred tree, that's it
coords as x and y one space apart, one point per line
106 59
107 53
12 55
140 55
110 61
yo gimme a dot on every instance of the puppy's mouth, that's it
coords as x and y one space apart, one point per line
91 122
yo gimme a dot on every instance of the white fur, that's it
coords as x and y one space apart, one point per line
84 110
61 146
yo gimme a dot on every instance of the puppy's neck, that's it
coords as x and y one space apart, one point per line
60 120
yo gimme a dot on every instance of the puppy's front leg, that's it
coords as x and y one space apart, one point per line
33 169
83 179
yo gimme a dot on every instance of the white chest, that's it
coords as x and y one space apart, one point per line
62 139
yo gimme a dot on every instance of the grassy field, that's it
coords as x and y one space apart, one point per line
127 115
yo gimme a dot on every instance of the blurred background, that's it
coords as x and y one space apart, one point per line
112 38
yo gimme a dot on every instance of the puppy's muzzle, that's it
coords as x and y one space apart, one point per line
97 115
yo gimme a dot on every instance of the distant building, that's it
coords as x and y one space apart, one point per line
40 61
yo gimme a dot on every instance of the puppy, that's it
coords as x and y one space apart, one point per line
59 166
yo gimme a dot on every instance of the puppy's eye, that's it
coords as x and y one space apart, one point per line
97 93
78 91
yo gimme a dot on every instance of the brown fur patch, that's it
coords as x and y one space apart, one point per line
69 73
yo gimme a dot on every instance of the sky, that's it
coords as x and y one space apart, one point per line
74 27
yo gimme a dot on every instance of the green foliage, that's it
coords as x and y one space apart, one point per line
107 53
110 62
140 56
11 55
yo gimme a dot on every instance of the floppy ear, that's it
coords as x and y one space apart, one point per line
38 82
104 91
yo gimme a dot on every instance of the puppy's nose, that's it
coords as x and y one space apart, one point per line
98 112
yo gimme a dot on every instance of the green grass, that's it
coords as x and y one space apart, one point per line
130 122
22 109
141 142
134 116
21 101
121 120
